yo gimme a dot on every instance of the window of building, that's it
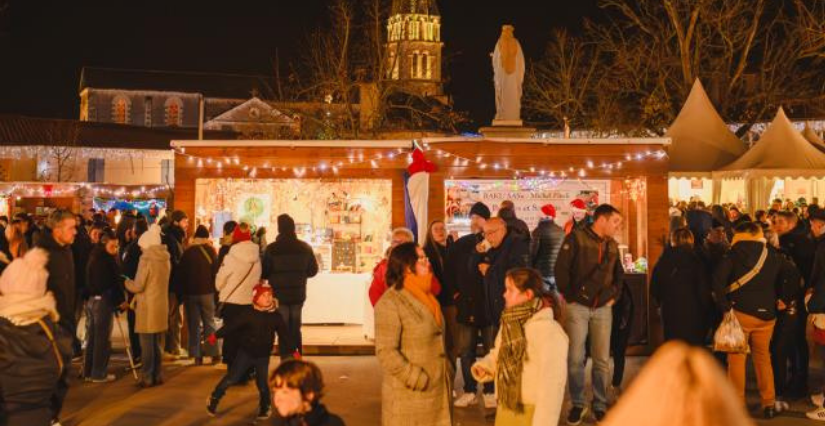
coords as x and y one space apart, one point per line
147 111
167 172
96 168
120 110
425 59
174 112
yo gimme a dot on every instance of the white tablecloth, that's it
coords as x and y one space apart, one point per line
337 299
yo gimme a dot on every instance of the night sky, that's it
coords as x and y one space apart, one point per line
44 44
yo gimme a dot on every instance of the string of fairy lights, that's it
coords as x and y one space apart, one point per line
71 189
440 155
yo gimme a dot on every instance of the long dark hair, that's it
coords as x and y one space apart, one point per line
402 260
431 245
530 279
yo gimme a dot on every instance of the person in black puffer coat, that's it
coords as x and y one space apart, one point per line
255 329
545 246
35 353
297 388
287 264
680 286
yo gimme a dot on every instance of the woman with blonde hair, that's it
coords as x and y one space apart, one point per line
680 385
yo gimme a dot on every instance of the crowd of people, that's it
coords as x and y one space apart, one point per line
539 303
766 270
91 269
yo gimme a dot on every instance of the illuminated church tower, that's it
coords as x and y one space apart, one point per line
414 46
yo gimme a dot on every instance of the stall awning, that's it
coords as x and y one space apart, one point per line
781 152
701 141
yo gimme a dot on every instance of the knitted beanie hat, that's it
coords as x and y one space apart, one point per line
26 275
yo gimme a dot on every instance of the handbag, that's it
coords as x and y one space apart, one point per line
219 309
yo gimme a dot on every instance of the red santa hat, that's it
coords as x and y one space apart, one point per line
578 205
549 210
239 236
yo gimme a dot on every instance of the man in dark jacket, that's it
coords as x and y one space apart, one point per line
471 302
700 222
545 246
197 275
61 283
795 241
816 304
287 264
174 235
255 329
748 280
589 274
500 252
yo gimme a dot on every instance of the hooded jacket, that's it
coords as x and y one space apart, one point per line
151 289
240 272
681 287
758 296
287 264
61 280
588 270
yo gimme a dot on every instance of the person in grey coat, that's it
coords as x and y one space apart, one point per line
409 344
151 289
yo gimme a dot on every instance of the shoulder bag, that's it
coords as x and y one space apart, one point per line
220 307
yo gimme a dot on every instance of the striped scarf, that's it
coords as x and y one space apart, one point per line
513 353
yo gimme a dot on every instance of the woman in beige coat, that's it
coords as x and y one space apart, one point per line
151 289
409 344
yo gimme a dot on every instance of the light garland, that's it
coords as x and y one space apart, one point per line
37 151
70 189
571 172
320 167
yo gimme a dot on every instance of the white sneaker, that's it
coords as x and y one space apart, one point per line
107 379
466 400
490 401
818 414
781 406
818 399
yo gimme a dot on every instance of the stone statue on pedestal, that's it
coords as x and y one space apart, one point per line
508 68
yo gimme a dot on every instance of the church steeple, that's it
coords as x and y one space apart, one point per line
414 46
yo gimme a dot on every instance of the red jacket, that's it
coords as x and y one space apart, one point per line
379 282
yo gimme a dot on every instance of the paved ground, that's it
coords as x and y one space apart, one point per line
353 391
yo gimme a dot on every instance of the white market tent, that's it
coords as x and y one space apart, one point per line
809 134
701 143
781 155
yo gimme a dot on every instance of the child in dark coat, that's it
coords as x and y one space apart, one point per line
256 330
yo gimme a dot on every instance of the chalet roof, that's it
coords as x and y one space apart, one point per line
701 141
421 7
212 85
782 151
29 131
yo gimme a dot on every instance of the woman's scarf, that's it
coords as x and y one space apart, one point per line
420 287
513 353
25 309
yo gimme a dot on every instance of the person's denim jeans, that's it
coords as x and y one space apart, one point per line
152 358
291 340
238 369
99 315
596 323
467 337
200 320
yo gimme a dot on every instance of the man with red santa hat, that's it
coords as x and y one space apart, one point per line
545 245
578 217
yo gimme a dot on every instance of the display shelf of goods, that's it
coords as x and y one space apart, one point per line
343 256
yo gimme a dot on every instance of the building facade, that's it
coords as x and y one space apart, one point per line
414 47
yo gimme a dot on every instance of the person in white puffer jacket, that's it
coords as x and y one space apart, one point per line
529 360
237 277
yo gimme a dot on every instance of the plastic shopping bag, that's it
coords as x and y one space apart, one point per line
730 337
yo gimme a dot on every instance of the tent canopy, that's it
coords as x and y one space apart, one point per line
701 142
809 134
781 152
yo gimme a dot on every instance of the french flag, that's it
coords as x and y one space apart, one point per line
416 194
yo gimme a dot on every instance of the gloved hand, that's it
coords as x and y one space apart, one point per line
212 339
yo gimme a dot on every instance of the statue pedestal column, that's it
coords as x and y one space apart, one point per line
508 129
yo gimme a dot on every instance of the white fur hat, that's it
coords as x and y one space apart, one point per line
151 237
26 275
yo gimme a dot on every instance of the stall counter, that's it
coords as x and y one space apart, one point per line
336 298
